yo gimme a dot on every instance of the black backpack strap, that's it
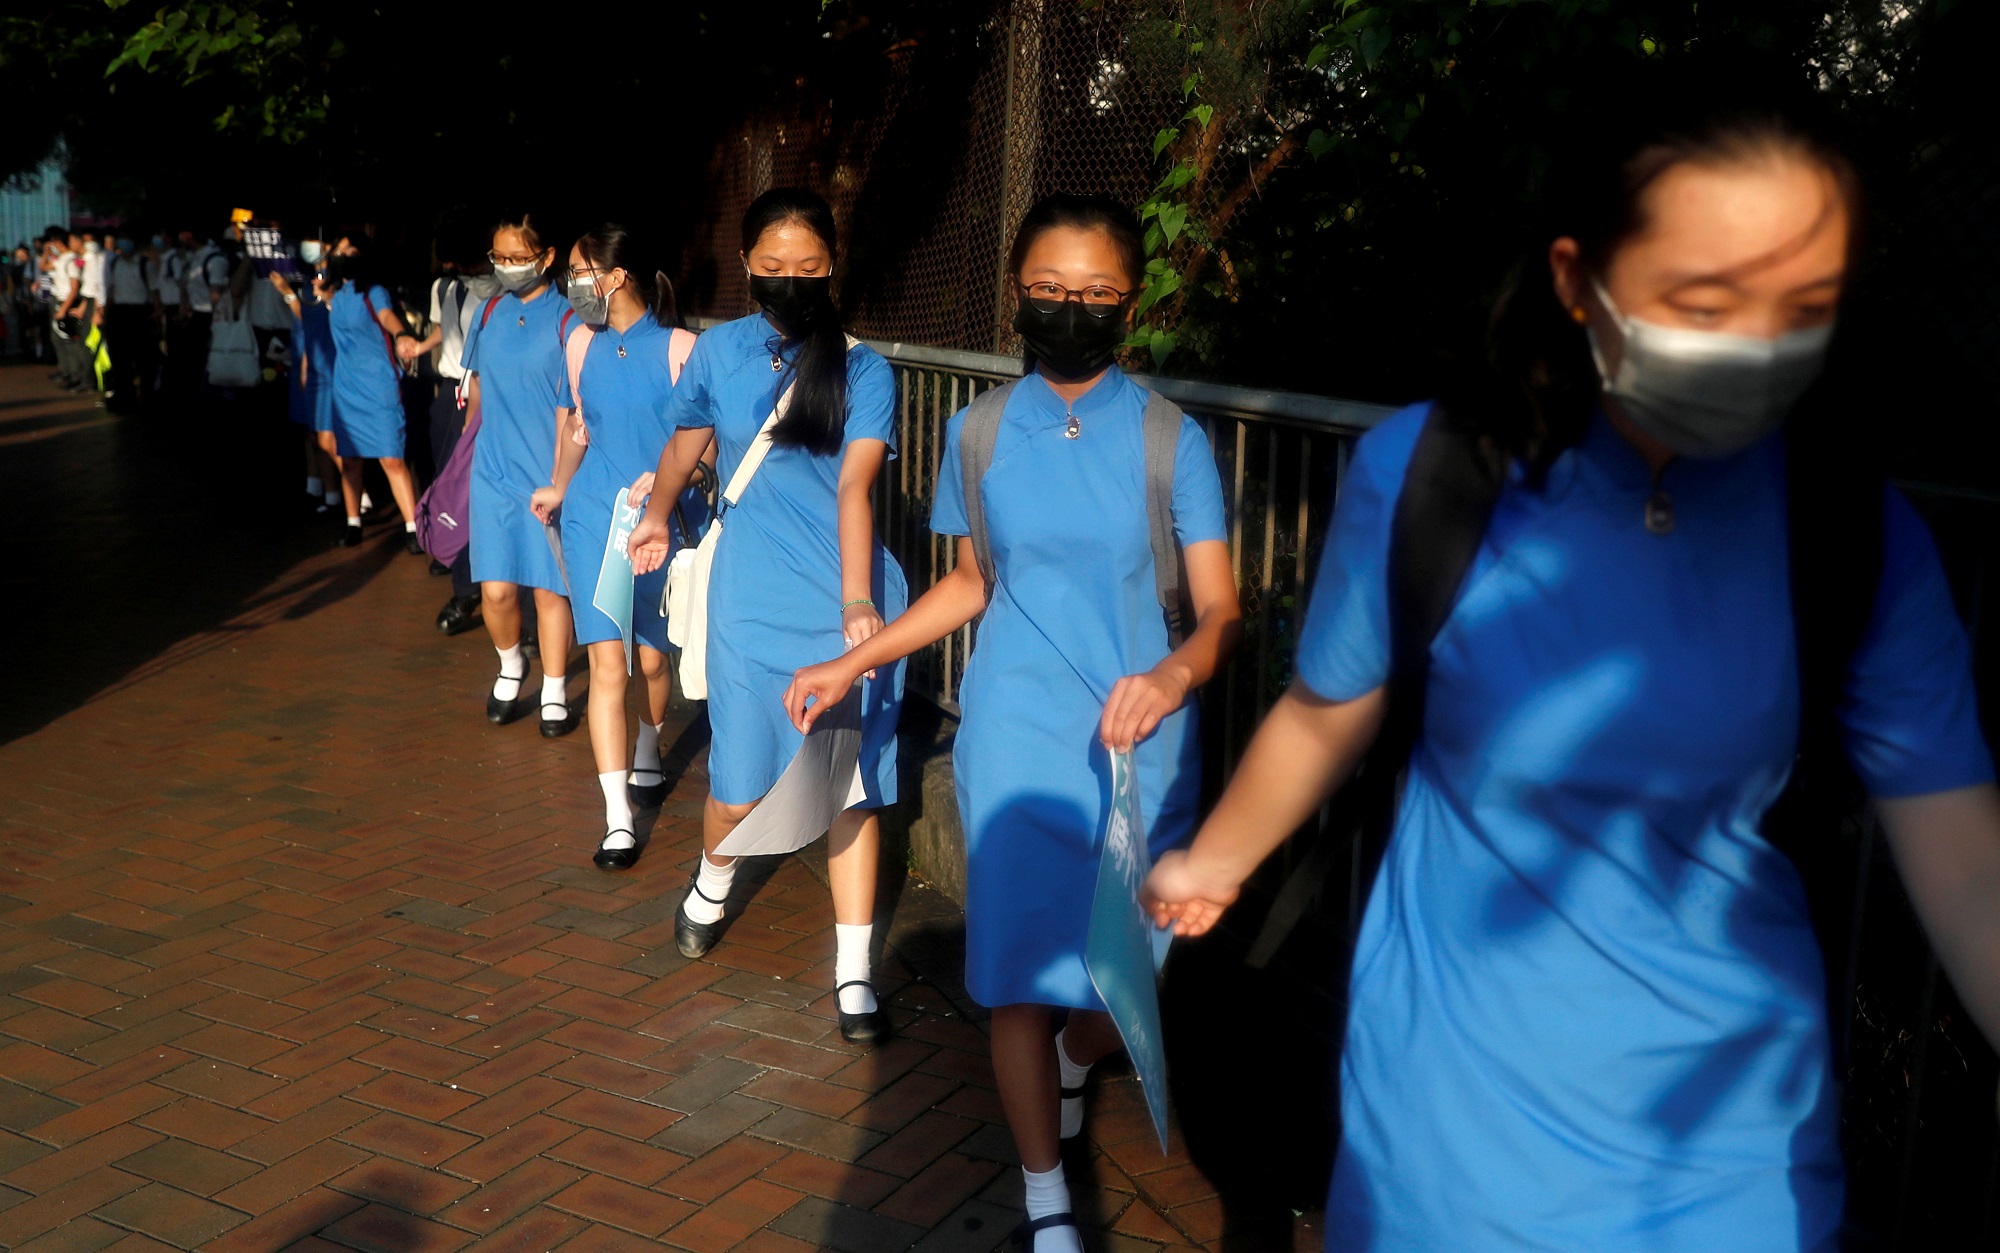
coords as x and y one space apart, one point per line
1162 435
1453 481
975 454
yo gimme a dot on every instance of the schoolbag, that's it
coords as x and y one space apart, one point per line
1454 479
441 519
1161 438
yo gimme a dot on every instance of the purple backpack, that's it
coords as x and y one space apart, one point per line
442 527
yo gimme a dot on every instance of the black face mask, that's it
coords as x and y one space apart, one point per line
1069 341
799 302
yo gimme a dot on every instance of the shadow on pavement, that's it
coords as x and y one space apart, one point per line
126 536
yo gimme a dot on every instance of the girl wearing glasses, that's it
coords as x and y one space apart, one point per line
627 378
1072 662
515 381
800 572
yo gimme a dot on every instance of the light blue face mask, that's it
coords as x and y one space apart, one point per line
1704 394
311 250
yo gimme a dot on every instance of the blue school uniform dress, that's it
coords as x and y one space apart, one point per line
775 592
311 406
626 381
1075 608
1588 1008
516 349
367 387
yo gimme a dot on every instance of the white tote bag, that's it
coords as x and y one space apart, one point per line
688 573
232 353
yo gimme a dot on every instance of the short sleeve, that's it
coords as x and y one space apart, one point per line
1197 488
948 505
1911 718
871 399
437 306
1344 646
688 405
468 356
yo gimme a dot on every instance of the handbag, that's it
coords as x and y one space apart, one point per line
233 360
689 571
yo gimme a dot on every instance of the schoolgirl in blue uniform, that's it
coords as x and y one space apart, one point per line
309 381
624 303
514 380
367 391
1587 1006
799 571
1073 661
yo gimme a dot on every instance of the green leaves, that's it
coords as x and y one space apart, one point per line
1165 137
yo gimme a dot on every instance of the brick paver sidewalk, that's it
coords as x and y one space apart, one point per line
296 951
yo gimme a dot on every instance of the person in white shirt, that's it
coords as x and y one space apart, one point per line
132 324
65 309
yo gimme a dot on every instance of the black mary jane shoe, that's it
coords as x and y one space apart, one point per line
615 858
501 712
412 545
646 795
439 569
692 938
1024 1235
861 1028
350 536
556 728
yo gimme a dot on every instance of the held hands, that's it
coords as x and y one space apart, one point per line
406 348
545 502
642 486
1177 892
1138 702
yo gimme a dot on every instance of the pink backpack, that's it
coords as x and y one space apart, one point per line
576 346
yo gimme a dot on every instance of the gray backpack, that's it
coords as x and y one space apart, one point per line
1162 439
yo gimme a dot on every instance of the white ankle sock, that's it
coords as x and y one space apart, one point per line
1048 1193
411 527
646 770
1073 1076
850 961
513 669
313 485
617 810
353 519
366 503
554 692
710 890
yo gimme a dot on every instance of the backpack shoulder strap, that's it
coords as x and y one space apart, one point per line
487 311
975 454
1454 478
680 346
1162 436
575 347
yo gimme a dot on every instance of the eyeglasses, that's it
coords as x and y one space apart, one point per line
571 273
497 259
1098 300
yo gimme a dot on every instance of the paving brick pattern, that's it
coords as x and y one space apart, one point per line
297 952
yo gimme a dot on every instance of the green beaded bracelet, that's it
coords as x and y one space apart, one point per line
852 603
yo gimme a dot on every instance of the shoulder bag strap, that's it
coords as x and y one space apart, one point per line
760 447
1450 487
1162 436
975 454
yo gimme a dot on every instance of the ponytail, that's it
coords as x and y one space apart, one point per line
613 247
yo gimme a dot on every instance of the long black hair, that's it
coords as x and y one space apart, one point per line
1536 387
610 246
817 418
1083 213
531 234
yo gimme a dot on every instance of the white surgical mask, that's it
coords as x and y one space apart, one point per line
311 250
1705 393
518 278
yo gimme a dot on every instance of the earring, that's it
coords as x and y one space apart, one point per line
1578 316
